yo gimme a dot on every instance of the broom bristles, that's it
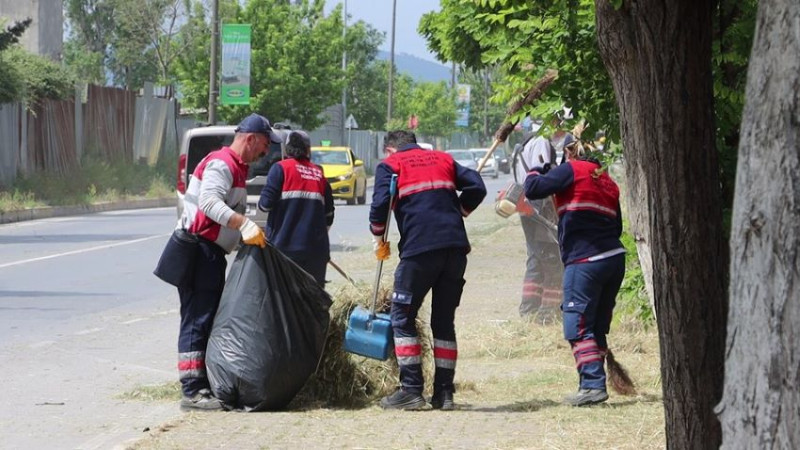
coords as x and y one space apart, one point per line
618 377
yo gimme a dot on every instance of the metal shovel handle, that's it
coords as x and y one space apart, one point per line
392 189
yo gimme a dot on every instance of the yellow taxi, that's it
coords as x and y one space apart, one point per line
344 172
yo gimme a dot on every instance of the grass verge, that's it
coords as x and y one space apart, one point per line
94 181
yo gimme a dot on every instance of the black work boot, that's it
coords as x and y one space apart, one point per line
585 397
202 400
443 400
401 399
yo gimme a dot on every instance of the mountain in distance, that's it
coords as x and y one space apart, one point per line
417 68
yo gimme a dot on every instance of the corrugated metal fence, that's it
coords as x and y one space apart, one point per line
111 123
116 124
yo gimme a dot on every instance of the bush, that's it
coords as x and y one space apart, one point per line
95 180
43 78
12 88
632 299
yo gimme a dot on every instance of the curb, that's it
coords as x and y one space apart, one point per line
60 211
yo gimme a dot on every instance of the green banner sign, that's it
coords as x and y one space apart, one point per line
235 82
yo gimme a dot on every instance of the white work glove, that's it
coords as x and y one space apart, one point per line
381 248
252 234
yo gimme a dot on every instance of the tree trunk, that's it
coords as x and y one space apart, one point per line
658 54
761 403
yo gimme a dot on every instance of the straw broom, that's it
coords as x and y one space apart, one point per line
533 94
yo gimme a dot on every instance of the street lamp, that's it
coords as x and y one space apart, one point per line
344 71
212 75
391 66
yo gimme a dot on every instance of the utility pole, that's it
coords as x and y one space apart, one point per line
212 75
391 66
486 102
344 72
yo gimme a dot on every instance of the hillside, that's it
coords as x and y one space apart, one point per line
418 68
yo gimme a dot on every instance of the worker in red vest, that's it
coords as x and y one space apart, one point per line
299 201
214 209
589 228
433 256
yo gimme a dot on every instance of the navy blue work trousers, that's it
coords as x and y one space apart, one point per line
199 303
314 263
442 272
590 292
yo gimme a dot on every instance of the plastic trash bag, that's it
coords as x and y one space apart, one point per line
269 331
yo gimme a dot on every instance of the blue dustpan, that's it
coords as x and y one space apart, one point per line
368 333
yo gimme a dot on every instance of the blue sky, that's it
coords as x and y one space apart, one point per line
378 13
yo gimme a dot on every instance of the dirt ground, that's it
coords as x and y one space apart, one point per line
511 377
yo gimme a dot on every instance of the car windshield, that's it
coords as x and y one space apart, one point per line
330 157
479 153
461 156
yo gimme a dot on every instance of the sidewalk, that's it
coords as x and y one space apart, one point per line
60 211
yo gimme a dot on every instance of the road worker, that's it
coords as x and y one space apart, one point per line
433 251
215 201
299 201
589 228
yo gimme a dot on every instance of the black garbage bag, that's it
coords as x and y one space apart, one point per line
268 333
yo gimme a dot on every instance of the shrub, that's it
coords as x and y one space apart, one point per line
42 77
632 299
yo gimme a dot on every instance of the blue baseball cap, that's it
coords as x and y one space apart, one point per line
256 123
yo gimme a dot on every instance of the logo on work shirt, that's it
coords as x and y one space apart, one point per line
309 173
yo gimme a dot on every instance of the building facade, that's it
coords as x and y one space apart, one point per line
45 35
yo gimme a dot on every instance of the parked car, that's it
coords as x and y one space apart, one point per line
464 157
343 171
490 168
503 163
198 142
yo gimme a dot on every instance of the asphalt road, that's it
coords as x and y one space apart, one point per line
83 320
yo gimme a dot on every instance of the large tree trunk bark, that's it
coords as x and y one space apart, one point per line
761 403
658 54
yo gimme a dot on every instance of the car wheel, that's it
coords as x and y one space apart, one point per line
362 199
495 175
352 200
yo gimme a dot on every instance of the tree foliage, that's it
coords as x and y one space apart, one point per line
41 77
134 39
367 78
11 85
295 61
434 104
523 39
13 32
27 77
152 25
485 115
734 25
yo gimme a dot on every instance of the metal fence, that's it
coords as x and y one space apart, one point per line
10 142
110 123
115 124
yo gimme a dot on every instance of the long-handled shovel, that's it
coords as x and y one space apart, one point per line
369 333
